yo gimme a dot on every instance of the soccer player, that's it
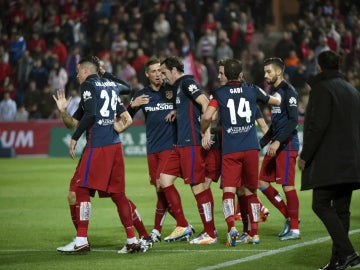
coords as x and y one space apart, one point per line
215 158
71 122
236 102
241 207
186 160
280 160
156 101
103 117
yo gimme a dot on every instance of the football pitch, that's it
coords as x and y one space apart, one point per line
35 219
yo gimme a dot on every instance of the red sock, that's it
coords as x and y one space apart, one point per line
124 211
228 209
244 213
83 211
275 198
293 208
205 203
160 212
73 214
137 221
254 213
174 203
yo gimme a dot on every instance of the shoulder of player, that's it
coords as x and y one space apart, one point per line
87 85
188 80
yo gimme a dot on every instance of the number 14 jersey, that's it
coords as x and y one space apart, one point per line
237 105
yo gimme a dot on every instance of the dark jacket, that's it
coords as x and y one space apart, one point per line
331 143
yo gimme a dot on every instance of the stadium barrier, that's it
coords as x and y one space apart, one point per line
51 138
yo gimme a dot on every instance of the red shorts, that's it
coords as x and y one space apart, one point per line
102 169
156 164
240 169
187 162
213 164
279 169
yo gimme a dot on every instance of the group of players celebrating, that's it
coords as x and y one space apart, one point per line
192 136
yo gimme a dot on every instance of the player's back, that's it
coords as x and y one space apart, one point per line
102 132
237 106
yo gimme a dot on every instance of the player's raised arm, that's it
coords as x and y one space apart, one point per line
62 103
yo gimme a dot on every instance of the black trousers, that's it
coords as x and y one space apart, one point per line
332 206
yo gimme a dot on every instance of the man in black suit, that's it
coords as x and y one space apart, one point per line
330 158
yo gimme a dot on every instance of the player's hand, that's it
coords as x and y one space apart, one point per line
61 101
140 100
206 141
273 147
119 124
101 70
72 148
170 117
301 164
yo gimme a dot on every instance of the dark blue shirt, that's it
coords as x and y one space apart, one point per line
160 135
100 102
284 118
238 109
188 111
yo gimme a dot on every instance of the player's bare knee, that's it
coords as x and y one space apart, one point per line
198 188
72 198
288 188
263 184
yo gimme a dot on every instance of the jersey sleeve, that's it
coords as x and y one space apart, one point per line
214 103
291 103
89 102
124 87
261 95
78 114
120 108
191 88
132 111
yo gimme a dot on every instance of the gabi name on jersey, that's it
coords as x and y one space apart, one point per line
236 90
159 107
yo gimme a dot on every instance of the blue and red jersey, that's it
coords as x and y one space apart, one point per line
160 135
100 102
188 111
284 118
237 104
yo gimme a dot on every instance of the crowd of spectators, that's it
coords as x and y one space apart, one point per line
42 40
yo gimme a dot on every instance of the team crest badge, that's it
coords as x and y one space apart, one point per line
169 94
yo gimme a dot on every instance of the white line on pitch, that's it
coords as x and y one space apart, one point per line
270 252
152 250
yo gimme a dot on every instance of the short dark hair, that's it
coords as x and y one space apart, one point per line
151 61
173 62
277 61
232 69
221 62
328 60
92 60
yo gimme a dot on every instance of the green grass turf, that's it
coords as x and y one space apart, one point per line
34 220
